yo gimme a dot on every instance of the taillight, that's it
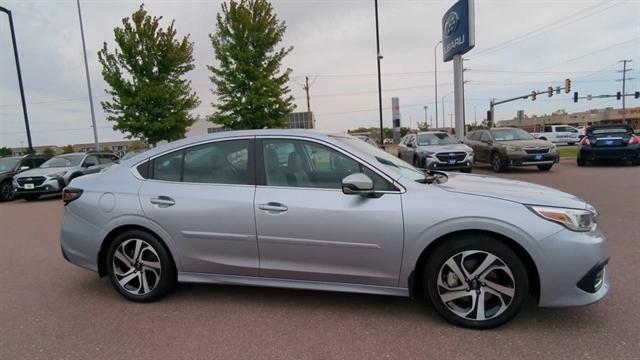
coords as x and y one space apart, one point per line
70 194
585 141
634 140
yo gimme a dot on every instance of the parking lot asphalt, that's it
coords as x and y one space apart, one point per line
50 309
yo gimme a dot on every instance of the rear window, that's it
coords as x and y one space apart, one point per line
611 130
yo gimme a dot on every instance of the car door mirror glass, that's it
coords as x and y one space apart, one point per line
357 184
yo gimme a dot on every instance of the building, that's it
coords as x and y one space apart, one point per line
297 120
608 115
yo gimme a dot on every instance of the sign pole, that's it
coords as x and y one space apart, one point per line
458 95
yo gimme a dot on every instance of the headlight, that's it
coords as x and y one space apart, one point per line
429 153
553 146
573 219
58 174
512 148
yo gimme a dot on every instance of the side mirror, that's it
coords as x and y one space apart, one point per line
89 164
357 184
23 168
411 145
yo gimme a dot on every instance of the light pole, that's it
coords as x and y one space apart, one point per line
435 75
15 55
379 57
425 115
86 70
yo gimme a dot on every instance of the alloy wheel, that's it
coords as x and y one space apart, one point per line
496 162
136 266
6 191
476 285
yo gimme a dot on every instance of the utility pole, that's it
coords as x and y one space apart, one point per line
15 55
435 75
86 70
624 88
425 115
309 118
379 57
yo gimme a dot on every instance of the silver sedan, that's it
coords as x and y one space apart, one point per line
305 210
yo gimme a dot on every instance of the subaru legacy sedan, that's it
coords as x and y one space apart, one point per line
305 210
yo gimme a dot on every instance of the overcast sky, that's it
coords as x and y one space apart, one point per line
521 45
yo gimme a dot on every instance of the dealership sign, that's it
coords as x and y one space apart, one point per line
458 29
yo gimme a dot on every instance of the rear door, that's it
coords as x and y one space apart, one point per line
484 146
309 230
203 197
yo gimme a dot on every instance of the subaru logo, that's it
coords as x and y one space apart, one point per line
29 179
451 23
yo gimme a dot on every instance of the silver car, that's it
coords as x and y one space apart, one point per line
56 173
305 210
435 150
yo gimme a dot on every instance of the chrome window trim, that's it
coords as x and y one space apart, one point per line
353 157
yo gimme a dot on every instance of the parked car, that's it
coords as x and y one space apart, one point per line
56 173
10 166
132 153
507 147
304 210
368 139
559 134
615 142
435 150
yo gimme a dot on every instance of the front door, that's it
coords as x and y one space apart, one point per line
309 230
203 197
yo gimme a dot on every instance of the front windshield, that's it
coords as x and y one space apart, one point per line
8 164
63 161
435 139
407 171
511 134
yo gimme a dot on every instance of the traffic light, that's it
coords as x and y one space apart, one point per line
550 91
637 95
618 95
575 97
567 86
534 94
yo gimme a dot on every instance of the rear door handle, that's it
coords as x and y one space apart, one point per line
162 200
273 206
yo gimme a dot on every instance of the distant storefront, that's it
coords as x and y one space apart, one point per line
585 118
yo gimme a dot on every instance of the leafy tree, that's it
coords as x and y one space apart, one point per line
5 151
151 98
67 149
252 91
48 151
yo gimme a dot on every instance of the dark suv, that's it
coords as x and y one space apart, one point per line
505 147
10 166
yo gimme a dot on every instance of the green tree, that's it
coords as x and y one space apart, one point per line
67 149
252 91
5 151
151 98
48 151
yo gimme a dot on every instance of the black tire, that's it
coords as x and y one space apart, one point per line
31 197
167 272
581 162
6 191
546 167
497 163
481 244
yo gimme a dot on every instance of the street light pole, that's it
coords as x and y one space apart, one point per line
379 57
435 74
425 115
22 99
86 70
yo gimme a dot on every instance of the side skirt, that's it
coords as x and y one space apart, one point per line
189 277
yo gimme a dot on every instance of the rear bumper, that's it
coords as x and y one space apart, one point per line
624 153
533 159
79 241
569 268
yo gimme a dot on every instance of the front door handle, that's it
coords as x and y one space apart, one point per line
273 206
163 200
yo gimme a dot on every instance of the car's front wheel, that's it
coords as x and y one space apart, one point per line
6 191
497 163
139 266
475 281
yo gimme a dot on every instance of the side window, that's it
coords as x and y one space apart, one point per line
485 136
38 161
548 129
311 165
476 136
106 159
168 167
90 160
225 162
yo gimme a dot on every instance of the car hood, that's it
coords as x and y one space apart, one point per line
445 148
525 143
42 171
511 190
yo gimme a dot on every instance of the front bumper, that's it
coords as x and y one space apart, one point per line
623 153
49 186
569 264
434 163
532 159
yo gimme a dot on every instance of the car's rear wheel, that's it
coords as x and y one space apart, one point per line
546 167
6 191
476 281
140 267
496 162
